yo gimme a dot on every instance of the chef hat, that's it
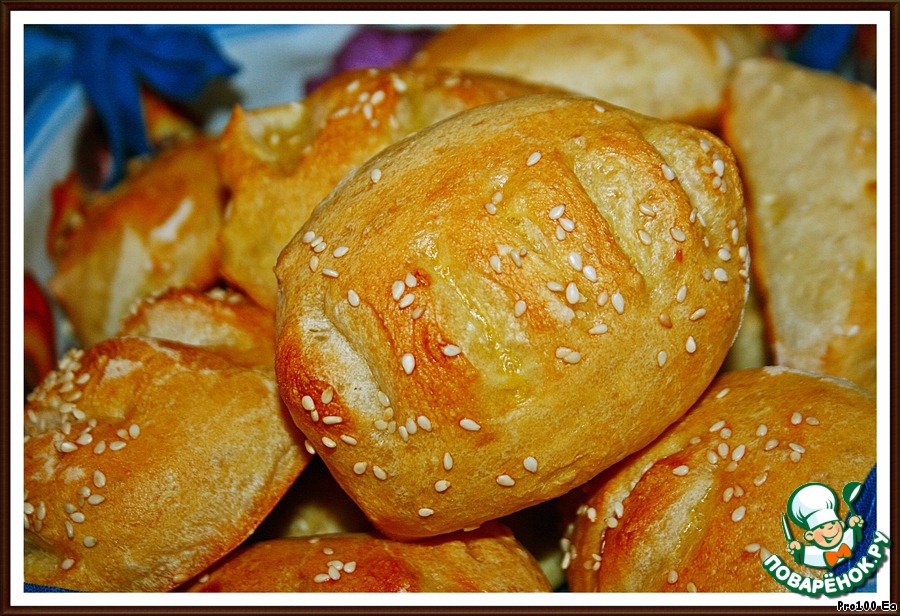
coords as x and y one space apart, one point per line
812 505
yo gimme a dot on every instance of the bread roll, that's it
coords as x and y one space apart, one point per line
805 141
146 461
220 320
156 230
485 560
279 162
699 509
670 71
499 288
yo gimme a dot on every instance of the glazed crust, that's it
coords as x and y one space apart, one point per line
146 461
279 162
486 560
806 144
669 71
456 409
749 442
156 230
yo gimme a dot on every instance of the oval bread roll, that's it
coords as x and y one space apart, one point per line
486 560
146 461
669 71
155 230
806 144
279 162
699 509
500 289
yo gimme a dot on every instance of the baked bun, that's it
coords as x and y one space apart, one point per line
485 560
146 461
156 230
670 71
805 141
279 162
465 356
220 320
698 509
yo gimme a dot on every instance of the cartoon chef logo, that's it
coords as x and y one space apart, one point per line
830 541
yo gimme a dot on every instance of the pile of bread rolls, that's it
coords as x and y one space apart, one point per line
509 276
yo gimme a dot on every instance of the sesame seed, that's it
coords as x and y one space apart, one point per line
95 499
89 542
572 294
717 426
329 272
350 567
677 234
328 395
333 573
520 307
495 264
468 424
84 439
99 479
375 175
556 212
724 254
796 418
762 430
408 362
442 485
644 237
691 345
451 350
591 514
567 224
682 293
575 261
382 397
530 464
572 357
69 508
599 109
67 564
719 167
738 514
752 548
723 449
771 444
67 447
134 430
600 328
397 289
667 172
425 512
377 97
698 314
725 433
661 358
761 479
705 145
77 517
313 263
672 576
328 442
797 448
720 274
406 300
618 302
506 481
330 420
681 471
712 457
379 472
410 280
404 434
122 433
560 233
359 468
812 421
646 210
555 286
602 298
447 462
611 522
307 403
723 393
738 452
321 577
491 208
590 273
533 159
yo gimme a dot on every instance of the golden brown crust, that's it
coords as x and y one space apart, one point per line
429 271
219 320
670 71
146 461
486 560
749 442
156 230
806 144
280 162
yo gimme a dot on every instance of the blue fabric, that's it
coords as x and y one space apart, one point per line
38 588
112 62
824 46
865 508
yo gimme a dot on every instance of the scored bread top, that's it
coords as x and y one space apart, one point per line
510 301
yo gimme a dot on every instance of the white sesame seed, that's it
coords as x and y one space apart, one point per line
646 210
95 499
69 508
590 273
599 109
506 481
468 424
712 457
667 172
723 449
719 167
720 274
451 350
690 346
425 512
661 358
567 224
698 314
408 362
84 439
681 471
327 395
491 208
495 263
738 514
350 567
761 479
89 542
795 456
67 447
724 254
331 420
307 403
520 307
644 237
533 159
67 564
360 468
572 357
796 418
575 261
572 294
382 397
77 517
424 423
447 462
99 479
557 211
375 175
329 272
600 328
602 298
379 472
313 263
677 234
797 448
611 522
555 286
705 145
397 289
122 433
618 302
406 300
672 576
725 433
591 514
333 573
321 577
404 433
738 452
762 430
717 426
771 444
